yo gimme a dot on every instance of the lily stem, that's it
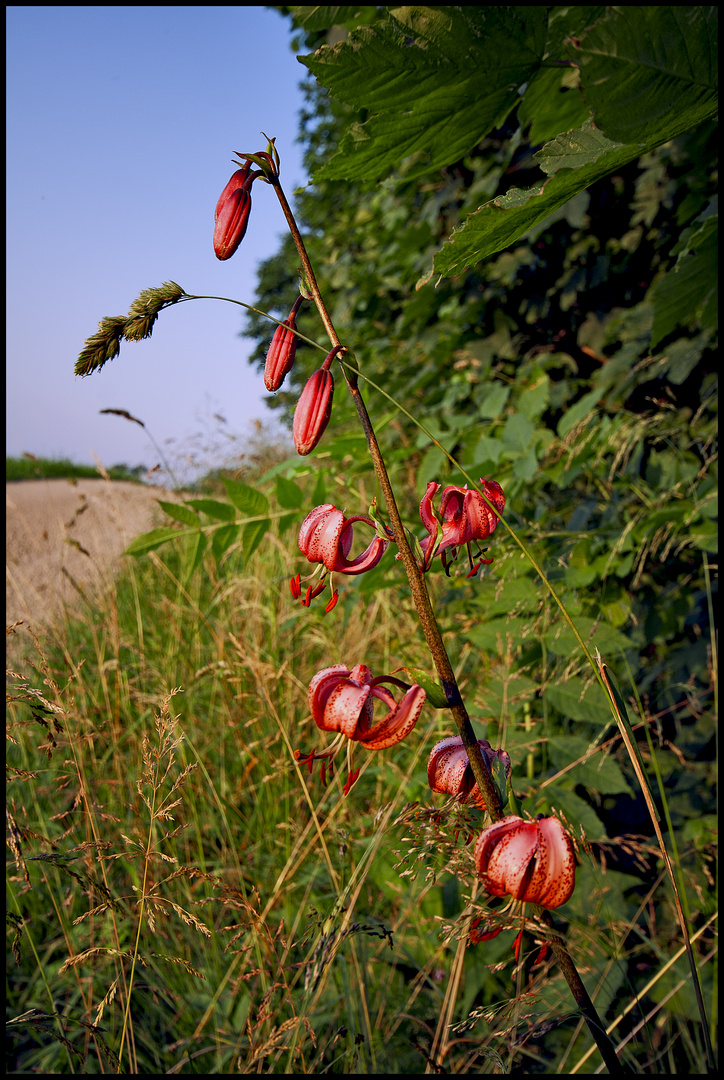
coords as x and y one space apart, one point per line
433 637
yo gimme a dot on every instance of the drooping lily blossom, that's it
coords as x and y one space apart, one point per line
232 213
464 518
532 861
283 349
325 537
342 699
449 771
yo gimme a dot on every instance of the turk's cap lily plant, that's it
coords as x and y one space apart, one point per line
465 518
532 861
449 771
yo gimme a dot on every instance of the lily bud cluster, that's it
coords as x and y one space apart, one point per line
231 219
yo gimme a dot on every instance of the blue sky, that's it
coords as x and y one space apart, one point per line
121 126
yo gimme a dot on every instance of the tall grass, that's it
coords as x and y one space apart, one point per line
30 467
184 898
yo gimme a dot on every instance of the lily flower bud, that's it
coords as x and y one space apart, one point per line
313 411
532 861
283 349
232 214
449 770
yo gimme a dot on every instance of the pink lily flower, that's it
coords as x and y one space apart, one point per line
532 861
465 518
341 699
326 537
450 772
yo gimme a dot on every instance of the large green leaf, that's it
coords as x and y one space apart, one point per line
643 93
575 160
151 540
179 513
651 72
435 81
689 289
248 500
213 508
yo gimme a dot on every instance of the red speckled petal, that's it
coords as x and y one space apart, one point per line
553 882
509 865
314 518
486 845
446 766
398 723
321 687
362 674
344 706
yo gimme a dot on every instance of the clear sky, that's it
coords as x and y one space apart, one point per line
121 126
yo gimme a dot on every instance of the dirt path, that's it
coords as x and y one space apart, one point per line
62 529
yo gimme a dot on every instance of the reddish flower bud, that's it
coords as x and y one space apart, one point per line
232 214
313 411
283 349
530 860
449 770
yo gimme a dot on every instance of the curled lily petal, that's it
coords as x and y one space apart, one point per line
430 521
321 687
347 706
398 723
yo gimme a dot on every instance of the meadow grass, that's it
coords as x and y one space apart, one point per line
184 898
30 467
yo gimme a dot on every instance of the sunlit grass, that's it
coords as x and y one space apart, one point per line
29 467
270 924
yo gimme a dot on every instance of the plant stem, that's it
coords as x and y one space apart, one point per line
433 637
420 594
